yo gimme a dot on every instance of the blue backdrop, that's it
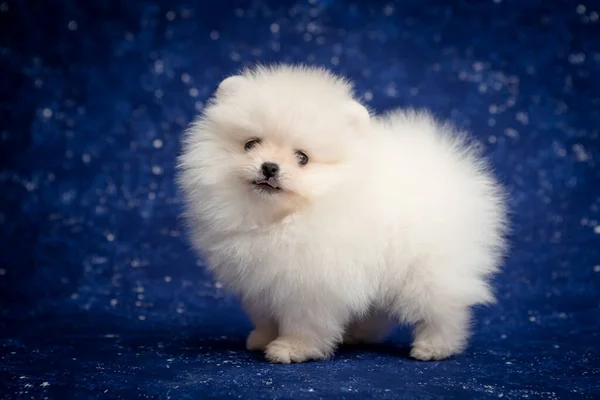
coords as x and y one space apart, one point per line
100 295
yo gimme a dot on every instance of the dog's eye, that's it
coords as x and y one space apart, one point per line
251 144
302 158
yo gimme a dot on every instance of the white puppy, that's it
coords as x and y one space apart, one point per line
332 225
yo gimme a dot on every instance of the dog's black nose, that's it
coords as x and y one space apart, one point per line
269 169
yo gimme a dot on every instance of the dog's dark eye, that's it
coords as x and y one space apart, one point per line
302 158
251 144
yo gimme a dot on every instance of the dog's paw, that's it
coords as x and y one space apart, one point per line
286 351
259 339
430 352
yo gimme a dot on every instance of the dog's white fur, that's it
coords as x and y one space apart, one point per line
393 219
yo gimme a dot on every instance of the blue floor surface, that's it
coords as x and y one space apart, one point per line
100 295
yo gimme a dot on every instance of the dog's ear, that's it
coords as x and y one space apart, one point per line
359 116
229 85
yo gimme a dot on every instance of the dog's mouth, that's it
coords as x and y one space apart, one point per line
268 185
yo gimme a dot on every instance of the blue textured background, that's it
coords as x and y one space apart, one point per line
100 295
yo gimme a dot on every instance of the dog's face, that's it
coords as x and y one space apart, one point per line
278 146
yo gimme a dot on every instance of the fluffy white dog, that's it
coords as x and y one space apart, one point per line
333 225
